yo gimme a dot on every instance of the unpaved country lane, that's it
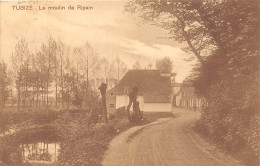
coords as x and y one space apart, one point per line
166 142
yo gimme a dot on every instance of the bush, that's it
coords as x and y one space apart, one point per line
121 112
84 143
232 117
10 153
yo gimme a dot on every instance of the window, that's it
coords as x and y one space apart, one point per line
111 105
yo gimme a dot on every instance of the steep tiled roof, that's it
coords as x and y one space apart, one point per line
153 87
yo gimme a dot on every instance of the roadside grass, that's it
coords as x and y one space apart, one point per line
244 155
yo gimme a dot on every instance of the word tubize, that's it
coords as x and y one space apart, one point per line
28 7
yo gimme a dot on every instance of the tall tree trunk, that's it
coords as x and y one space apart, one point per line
56 95
37 93
42 94
68 100
61 76
26 85
56 86
19 98
37 96
104 108
3 94
23 154
33 95
209 24
103 88
87 92
188 39
55 155
118 70
77 80
48 77
87 76
128 109
47 95
19 92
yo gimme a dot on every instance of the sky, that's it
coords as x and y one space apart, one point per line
107 27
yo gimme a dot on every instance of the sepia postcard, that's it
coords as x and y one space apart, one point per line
129 83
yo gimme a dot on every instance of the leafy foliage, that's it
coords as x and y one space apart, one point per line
164 64
137 65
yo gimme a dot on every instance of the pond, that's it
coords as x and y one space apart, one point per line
40 151
35 145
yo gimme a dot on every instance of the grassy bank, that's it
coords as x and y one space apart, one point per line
242 152
12 120
83 140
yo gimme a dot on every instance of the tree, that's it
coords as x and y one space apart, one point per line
182 23
46 58
19 60
105 67
164 64
137 65
117 68
90 63
32 75
149 66
61 56
203 25
51 55
3 84
137 114
102 88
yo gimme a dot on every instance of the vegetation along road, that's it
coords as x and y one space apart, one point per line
166 142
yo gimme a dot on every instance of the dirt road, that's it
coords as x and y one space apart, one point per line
166 142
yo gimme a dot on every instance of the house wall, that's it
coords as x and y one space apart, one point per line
175 89
178 100
123 101
176 96
192 103
116 101
157 107
111 103
186 98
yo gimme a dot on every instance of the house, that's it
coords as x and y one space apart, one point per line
154 91
185 97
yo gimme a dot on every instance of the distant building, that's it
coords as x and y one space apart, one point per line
154 95
185 97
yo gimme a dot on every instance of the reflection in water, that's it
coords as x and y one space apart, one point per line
40 151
